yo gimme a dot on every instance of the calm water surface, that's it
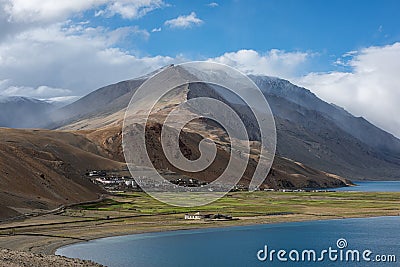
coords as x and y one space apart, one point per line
238 246
373 186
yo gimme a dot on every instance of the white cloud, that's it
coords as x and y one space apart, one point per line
40 61
184 21
41 91
43 54
132 9
18 16
61 99
156 29
273 63
370 89
45 10
49 10
213 4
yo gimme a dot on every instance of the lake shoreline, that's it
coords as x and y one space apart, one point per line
237 246
46 234
50 249
54 250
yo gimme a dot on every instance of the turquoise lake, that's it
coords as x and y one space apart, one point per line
238 246
373 186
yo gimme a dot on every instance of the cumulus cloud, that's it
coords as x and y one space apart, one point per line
213 4
45 54
131 9
156 29
21 15
74 57
184 21
41 91
370 89
47 10
61 99
272 63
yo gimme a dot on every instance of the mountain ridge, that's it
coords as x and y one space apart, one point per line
304 97
350 152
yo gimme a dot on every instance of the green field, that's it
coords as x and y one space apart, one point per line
242 204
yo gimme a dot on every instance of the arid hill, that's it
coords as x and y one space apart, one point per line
285 173
318 134
42 169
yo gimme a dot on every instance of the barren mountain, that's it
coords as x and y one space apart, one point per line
285 173
103 124
310 131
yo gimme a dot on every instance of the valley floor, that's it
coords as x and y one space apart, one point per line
137 213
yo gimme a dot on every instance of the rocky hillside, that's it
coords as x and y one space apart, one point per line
320 135
41 169
285 173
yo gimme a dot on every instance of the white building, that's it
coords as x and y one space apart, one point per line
196 216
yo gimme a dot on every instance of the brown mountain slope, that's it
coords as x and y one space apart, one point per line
284 173
311 131
41 169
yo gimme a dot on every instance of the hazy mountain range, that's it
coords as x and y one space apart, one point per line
23 112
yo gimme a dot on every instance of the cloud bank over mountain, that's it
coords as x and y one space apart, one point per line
371 88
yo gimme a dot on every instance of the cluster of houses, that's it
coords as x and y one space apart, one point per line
199 216
302 190
112 182
173 181
187 182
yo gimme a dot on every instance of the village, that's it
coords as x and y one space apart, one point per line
116 181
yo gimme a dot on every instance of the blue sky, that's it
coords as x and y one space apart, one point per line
346 52
327 28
